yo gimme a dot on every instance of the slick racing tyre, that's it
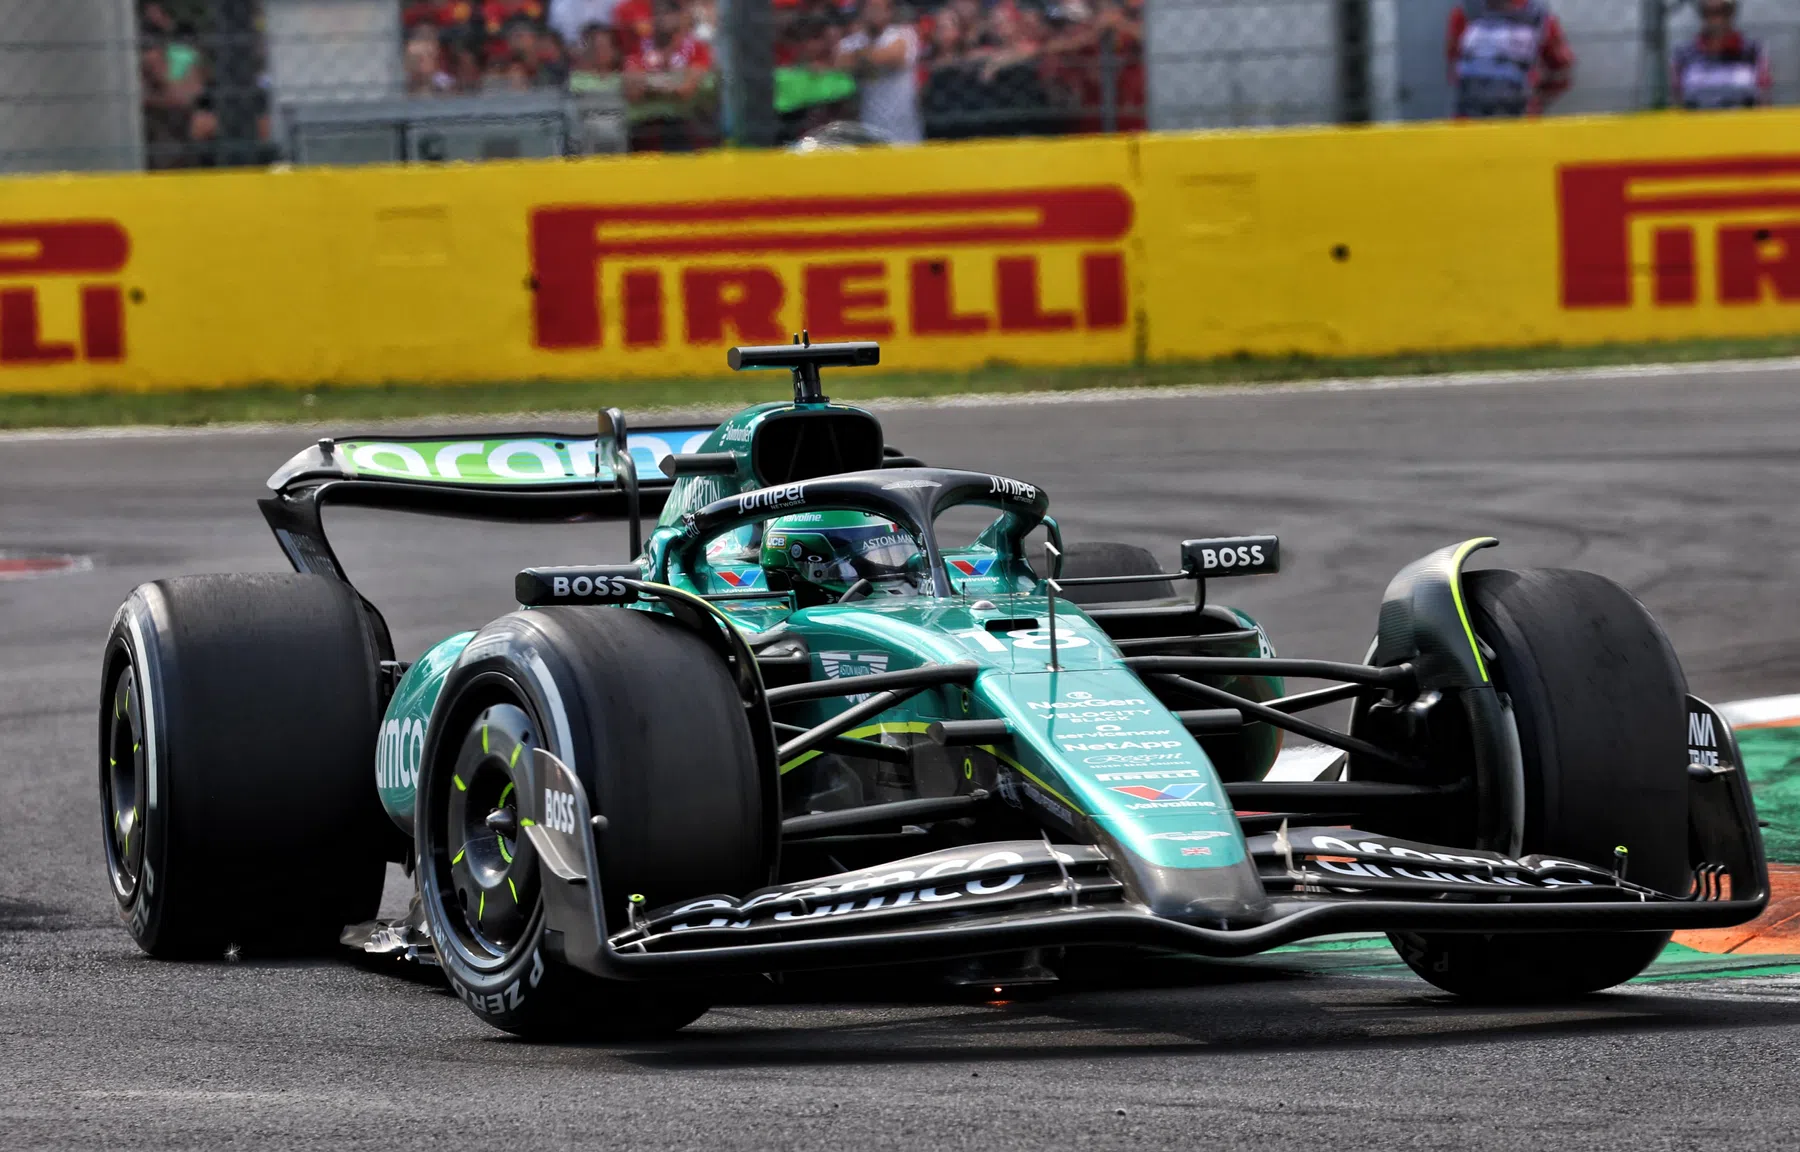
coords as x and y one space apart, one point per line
1103 559
649 718
237 764
1601 706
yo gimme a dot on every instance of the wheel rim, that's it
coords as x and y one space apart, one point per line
487 871
122 783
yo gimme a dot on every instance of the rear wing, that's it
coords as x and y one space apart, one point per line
554 477
503 475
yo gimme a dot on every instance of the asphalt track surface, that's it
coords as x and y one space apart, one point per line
1683 488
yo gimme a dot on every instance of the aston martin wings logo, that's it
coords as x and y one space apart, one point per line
840 664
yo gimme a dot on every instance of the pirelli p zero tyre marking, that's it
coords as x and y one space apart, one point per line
650 723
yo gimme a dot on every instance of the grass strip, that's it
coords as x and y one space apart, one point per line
338 403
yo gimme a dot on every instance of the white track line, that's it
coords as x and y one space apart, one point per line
1763 710
1607 374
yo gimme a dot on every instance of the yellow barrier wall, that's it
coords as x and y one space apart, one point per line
1447 236
645 266
1057 252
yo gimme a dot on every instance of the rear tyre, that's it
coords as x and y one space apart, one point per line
237 786
1601 706
1099 558
650 719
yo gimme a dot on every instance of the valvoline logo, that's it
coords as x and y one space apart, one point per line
1171 792
743 579
976 567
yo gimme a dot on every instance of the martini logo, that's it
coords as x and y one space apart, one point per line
1159 795
1724 231
976 567
961 265
59 299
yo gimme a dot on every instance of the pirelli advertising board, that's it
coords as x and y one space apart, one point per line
1097 250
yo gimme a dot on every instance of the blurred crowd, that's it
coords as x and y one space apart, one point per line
195 114
940 69
924 69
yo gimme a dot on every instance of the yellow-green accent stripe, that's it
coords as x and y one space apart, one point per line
528 822
1029 775
504 854
896 727
457 859
484 746
1456 562
514 761
510 888
481 906
506 791
460 786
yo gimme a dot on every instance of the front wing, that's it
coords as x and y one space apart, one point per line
1001 896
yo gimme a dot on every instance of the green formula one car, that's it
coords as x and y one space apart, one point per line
806 729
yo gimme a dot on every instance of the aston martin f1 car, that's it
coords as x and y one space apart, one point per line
807 726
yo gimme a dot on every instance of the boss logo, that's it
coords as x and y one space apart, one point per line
539 586
559 811
1232 556
603 586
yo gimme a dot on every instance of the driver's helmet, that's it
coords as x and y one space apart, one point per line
830 551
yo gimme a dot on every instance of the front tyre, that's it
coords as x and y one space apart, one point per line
650 719
1601 707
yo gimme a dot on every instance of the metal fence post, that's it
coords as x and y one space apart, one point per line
1109 83
747 28
1656 50
1353 52
238 68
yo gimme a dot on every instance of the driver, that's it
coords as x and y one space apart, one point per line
824 554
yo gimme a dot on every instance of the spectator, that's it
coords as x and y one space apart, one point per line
884 56
1097 58
595 66
507 74
570 19
634 24
1721 68
425 72
667 84
1507 58
179 124
706 20
465 67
